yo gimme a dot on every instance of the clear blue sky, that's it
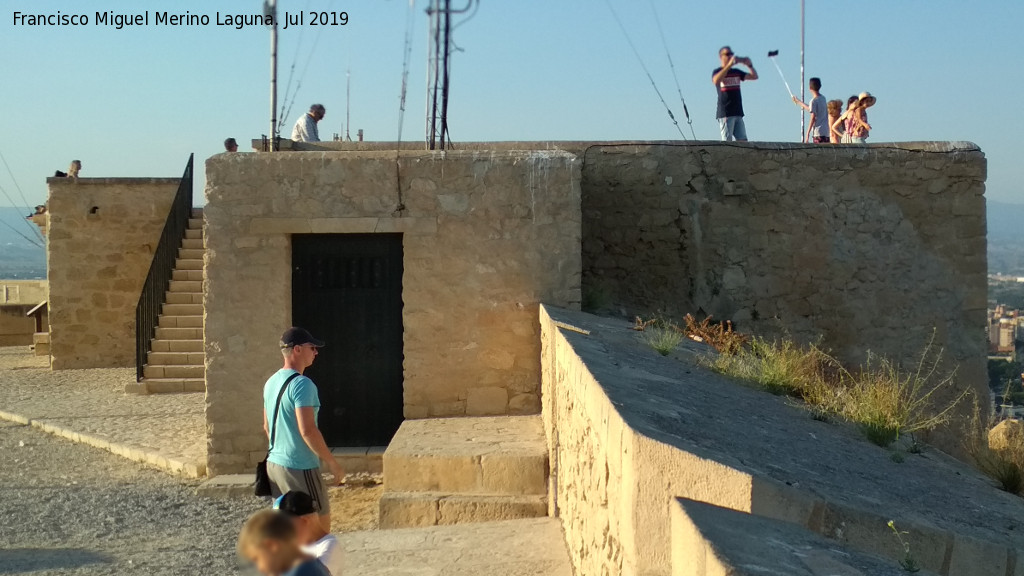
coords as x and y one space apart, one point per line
135 102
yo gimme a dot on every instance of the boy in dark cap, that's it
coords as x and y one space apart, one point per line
314 540
268 540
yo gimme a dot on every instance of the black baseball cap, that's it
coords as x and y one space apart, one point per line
296 336
295 503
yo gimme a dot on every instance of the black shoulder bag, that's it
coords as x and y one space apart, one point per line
262 478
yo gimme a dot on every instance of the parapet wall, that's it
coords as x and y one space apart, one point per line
629 431
487 236
102 234
865 248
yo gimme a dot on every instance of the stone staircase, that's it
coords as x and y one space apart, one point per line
41 343
460 470
177 361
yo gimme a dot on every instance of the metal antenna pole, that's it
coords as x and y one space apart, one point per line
803 85
270 9
348 103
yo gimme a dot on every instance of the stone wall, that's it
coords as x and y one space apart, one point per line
865 248
629 431
101 238
506 225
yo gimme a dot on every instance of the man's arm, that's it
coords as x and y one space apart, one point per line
802 105
315 440
752 75
266 429
716 79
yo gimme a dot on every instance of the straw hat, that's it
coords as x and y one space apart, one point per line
866 99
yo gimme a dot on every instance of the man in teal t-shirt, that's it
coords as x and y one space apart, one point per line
297 447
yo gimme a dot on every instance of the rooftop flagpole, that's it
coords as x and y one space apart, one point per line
270 10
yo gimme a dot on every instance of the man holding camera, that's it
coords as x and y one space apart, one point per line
727 80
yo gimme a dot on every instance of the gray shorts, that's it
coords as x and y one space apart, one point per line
309 481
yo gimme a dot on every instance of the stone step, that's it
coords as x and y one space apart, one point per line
176 358
150 371
41 338
183 309
167 321
183 298
189 264
187 275
194 234
192 243
197 212
179 334
195 223
192 286
41 349
157 345
167 386
416 509
533 547
190 253
504 455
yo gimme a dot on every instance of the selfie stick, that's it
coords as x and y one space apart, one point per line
771 56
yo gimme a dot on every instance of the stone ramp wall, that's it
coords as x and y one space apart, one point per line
865 248
630 431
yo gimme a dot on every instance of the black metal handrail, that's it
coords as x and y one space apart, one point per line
151 301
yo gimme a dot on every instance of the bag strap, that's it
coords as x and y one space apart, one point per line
273 423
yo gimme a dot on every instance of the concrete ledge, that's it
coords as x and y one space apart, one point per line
415 509
228 486
489 455
137 454
710 541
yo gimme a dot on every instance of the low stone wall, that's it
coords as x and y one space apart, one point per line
863 248
629 431
18 297
486 236
101 238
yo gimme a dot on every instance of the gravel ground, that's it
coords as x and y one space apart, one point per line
67 508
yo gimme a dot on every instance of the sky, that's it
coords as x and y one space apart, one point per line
137 101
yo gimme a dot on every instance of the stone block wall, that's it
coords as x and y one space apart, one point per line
867 248
630 431
506 225
101 238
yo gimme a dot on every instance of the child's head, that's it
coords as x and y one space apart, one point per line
835 107
815 84
269 541
851 102
299 506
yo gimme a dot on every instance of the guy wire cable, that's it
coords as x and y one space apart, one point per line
407 48
30 241
644 66
671 64
291 70
35 230
21 193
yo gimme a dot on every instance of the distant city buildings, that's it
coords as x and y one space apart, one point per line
1005 327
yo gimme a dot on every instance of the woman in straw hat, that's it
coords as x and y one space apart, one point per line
861 128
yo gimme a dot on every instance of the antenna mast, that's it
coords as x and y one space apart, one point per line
348 103
270 10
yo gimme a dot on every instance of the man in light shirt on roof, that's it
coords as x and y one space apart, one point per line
305 128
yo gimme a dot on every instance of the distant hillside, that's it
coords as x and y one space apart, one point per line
1006 238
19 259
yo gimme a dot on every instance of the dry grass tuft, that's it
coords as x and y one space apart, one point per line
718 335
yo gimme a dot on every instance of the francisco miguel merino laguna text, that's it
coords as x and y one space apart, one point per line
239 21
